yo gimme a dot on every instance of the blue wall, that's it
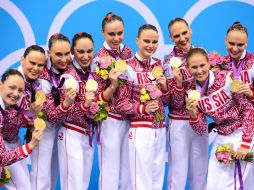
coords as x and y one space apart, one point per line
23 23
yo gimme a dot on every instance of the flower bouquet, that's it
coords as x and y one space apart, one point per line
5 176
98 111
215 59
226 155
105 64
151 92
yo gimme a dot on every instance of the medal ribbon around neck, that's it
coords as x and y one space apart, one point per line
204 87
237 70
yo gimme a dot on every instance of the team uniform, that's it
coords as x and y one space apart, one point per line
21 166
113 144
194 148
75 148
11 120
44 158
247 73
147 138
234 117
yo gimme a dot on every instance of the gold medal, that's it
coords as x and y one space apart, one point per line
175 62
39 124
235 85
120 65
194 95
91 85
70 83
40 96
157 71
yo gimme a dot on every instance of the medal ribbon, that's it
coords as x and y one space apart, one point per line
202 89
237 70
237 171
181 54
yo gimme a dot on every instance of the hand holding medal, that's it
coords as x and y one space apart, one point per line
191 102
175 63
39 124
40 96
235 84
91 87
157 71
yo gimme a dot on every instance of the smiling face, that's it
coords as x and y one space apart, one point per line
147 43
236 42
60 54
83 52
33 64
180 34
114 34
198 67
11 90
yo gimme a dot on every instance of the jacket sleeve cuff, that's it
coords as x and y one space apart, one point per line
178 88
83 106
102 98
141 109
25 150
194 120
246 143
63 109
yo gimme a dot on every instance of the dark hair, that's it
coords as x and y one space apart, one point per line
173 21
33 48
146 27
237 26
10 72
194 51
110 17
57 37
78 36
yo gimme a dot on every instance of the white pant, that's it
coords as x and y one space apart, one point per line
44 161
147 158
188 154
221 177
20 179
113 155
75 159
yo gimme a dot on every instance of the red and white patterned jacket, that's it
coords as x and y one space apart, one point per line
230 111
8 157
247 73
76 118
125 54
176 111
139 75
55 113
11 122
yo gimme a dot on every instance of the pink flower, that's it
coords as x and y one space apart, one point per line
150 88
224 157
104 63
94 107
215 58
89 115
155 94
